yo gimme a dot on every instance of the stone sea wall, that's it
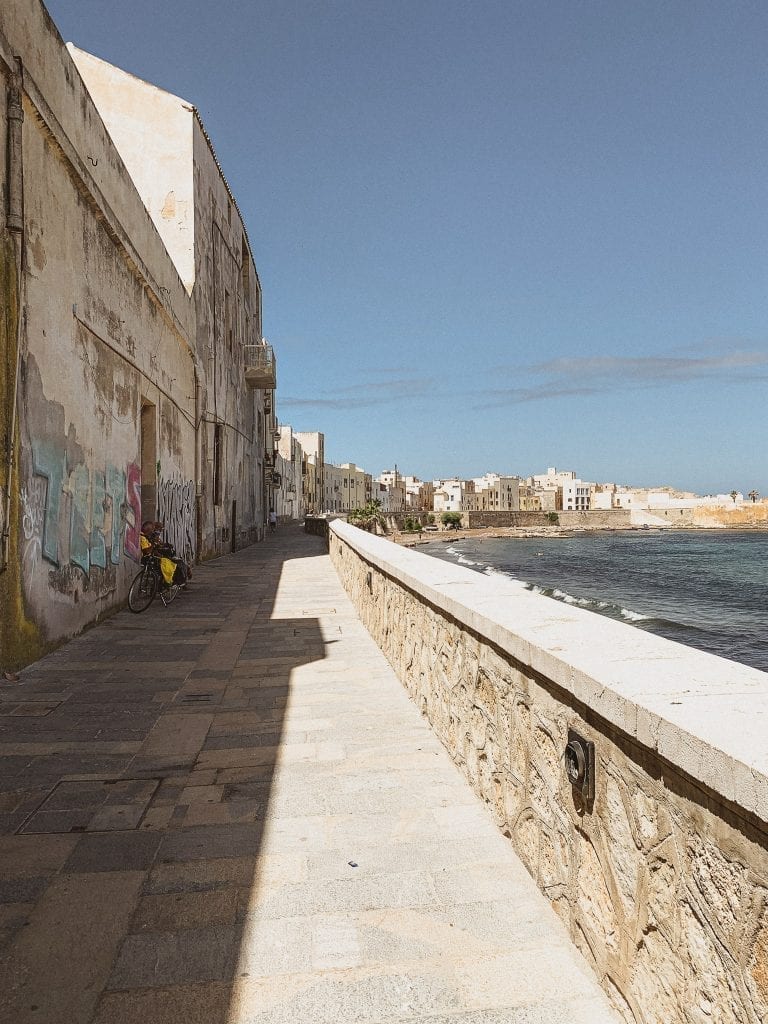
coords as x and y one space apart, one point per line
661 878
706 517
608 519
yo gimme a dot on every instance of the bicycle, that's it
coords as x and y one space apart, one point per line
147 583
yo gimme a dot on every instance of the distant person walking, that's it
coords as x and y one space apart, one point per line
272 520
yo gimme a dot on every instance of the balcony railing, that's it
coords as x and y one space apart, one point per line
259 363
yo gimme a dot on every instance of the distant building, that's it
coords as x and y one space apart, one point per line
495 493
530 501
313 469
347 487
576 496
419 494
288 497
448 495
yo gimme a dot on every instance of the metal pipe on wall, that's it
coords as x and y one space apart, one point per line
14 224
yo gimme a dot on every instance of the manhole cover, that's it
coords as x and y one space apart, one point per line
92 806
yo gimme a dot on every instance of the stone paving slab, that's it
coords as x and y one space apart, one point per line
228 811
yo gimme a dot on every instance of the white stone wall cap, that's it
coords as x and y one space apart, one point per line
704 714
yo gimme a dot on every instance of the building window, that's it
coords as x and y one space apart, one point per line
228 319
245 268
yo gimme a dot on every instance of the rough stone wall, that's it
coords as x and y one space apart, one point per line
596 519
480 520
706 517
615 519
663 887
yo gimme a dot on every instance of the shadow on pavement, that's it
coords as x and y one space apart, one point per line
136 766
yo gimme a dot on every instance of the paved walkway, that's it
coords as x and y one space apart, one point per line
229 811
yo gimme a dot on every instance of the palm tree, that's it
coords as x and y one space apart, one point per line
734 495
754 495
367 518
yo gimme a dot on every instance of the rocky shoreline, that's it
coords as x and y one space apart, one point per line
416 539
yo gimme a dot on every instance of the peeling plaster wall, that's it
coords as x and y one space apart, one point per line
105 328
152 130
663 884
175 169
227 299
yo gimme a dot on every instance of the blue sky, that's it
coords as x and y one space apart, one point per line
493 236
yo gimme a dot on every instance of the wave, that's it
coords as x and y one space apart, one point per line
627 613
734 635
597 605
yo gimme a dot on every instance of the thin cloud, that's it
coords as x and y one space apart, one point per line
651 368
368 393
331 403
588 375
505 396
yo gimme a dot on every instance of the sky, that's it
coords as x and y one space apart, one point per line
493 236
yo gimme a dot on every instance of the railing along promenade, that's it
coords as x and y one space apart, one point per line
656 854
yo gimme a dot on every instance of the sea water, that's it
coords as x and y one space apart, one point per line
704 589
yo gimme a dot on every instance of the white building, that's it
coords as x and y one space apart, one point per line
313 469
391 491
576 495
419 494
288 502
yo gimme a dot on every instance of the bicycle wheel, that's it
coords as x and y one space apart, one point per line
166 596
143 590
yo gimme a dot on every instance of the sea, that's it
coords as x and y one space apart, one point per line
705 589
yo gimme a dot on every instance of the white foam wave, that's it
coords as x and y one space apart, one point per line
627 613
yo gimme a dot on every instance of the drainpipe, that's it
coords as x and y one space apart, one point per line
199 403
15 224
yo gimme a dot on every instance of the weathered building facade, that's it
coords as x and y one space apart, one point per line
288 497
123 390
189 200
313 469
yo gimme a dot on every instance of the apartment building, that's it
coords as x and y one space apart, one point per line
576 496
530 499
313 470
419 494
450 495
287 495
347 487
497 493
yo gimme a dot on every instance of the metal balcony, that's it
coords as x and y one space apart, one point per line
259 370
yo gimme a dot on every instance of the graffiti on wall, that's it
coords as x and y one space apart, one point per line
176 510
79 517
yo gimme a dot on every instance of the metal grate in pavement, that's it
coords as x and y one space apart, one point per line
92 806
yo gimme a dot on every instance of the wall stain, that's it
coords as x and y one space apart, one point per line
20 639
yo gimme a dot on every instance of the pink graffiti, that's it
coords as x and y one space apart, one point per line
133 512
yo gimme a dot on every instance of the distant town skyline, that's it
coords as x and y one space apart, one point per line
489 233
